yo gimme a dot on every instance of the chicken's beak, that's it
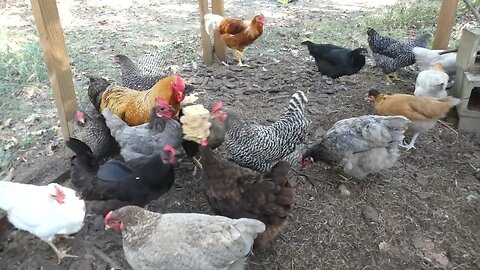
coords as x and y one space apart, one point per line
107 228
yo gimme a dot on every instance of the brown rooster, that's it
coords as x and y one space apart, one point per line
423 112
134 107
237 34
238 192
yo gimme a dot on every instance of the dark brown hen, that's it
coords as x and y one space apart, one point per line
238 192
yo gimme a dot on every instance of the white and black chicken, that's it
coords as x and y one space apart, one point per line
44 211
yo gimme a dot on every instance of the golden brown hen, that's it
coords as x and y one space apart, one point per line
238 192
423 112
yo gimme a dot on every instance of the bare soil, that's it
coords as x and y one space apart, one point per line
421 214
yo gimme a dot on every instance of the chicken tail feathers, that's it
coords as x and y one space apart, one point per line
249 226
212 23
96 87
78 147
454 101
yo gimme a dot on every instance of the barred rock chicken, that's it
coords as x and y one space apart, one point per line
97 85
238 192
90 127
423 112
390 54
360 145
145 139
133 76
137 181
44 211
237 34
334 61
260 147
432 82
134 106
425 59
187 241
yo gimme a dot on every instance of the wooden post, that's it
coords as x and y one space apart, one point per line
446 20
206 42
57 61
220 50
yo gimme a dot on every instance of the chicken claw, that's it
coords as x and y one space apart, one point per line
61 253
388 79
411 144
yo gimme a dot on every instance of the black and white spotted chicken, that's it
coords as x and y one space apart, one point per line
141 76
260 147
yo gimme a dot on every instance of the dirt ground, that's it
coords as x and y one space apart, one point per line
421 214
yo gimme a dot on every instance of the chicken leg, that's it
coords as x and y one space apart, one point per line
411 144
239 55
60 253
197 165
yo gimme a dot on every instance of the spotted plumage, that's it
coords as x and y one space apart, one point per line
390 54
260 147
141 76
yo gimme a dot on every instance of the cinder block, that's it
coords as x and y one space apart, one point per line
469 123
469 107
468 56
465 82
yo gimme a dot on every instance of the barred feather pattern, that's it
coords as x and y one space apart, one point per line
260 147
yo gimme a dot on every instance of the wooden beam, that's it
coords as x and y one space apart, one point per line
57 61
220 50
206 42
446 20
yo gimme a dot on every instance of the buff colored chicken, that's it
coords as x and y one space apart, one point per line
423 112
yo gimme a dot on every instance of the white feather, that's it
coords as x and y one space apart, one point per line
212 23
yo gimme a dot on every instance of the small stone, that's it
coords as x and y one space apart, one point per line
344 191
370 214
318 134
422 180
425 194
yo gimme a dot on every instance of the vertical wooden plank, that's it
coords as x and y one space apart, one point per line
57 61
206 42
220 50
446 20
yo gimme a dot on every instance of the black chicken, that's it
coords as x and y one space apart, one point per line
390 54
334 61
136 182
133 76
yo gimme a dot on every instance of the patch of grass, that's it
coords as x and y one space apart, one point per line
408 18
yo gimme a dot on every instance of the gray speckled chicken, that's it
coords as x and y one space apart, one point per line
361 145
145 139
390 54
260 147
90 127
139 77
187 241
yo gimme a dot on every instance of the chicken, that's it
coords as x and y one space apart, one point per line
334 61
215 137
90 127
44 211
390 54
134 77
96 87
425 58
145 139
237 34
187 241
137 182
134 107
423 112
260 147
432 82
360 145
237 192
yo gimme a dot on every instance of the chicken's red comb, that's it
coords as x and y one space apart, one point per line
179 83
217 106
169 148
108 217
159 101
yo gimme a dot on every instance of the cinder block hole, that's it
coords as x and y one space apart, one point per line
474 100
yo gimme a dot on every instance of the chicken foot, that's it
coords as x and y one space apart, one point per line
197 165
60 253
411 144
240 55
389 79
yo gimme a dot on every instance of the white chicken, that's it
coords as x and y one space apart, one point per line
187 241
425 58
44 211
361 145
432 82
